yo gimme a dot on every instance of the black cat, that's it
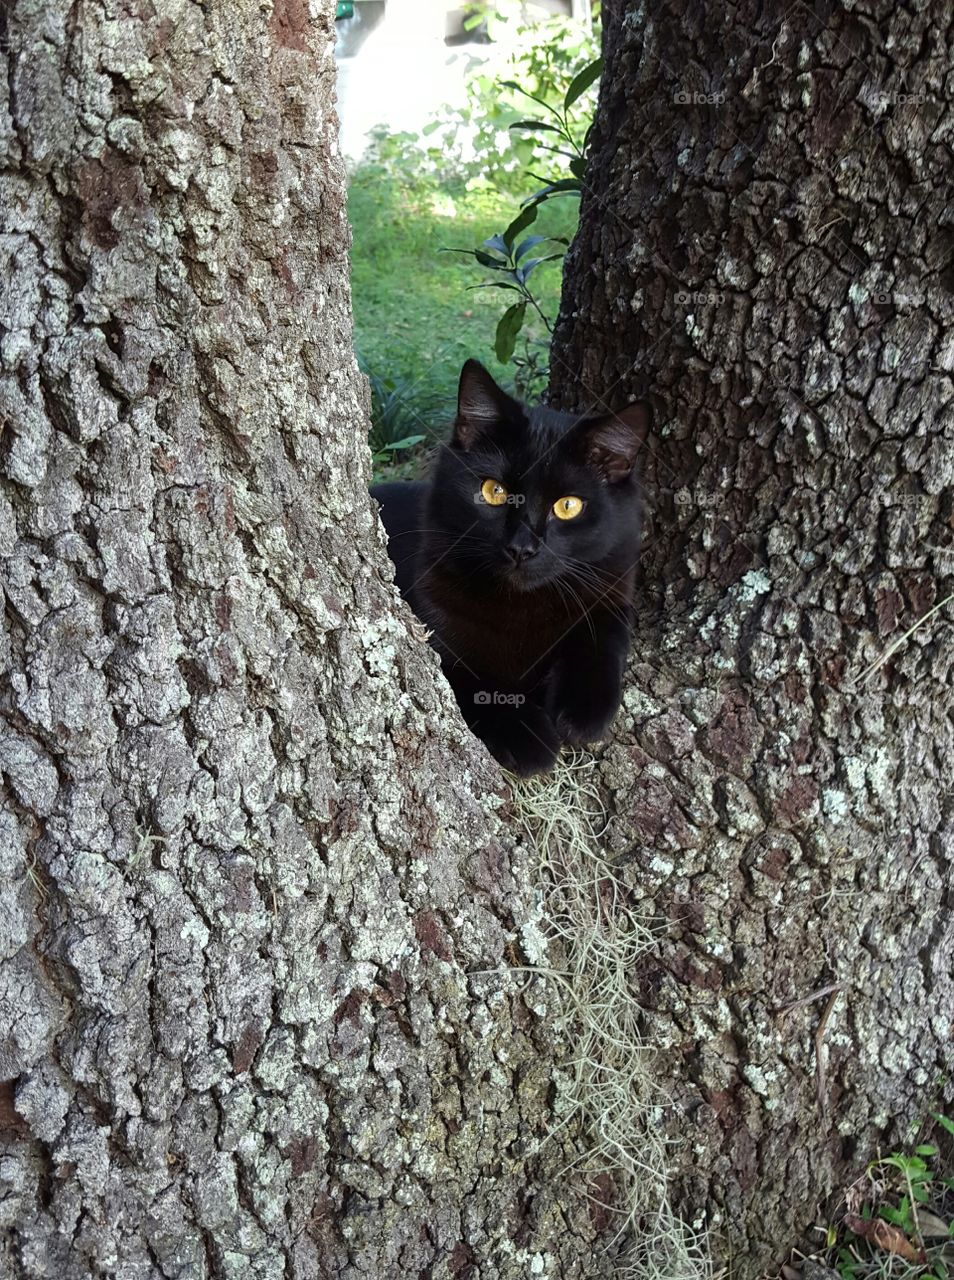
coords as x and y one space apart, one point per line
519 554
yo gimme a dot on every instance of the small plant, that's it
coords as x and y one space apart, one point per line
566 130
900 1219
461 176
387 451
400 415
502 253
558 134
543 63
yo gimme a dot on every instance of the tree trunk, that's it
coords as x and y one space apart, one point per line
255 866
767 242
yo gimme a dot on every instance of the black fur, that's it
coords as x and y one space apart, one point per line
530 614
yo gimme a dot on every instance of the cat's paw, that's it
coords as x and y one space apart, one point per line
579 722
526 741
578 733
524 759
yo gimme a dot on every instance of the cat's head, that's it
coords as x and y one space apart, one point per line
524 497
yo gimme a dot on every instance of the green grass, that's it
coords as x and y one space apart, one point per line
416 319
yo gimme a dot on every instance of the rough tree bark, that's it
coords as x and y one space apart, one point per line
250 854
767 242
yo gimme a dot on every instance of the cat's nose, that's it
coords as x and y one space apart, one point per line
521 551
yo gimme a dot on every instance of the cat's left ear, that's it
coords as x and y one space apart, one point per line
481 405
612 441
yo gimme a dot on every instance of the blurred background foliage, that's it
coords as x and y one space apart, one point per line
435 276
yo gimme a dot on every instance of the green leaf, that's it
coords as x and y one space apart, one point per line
566 186
944 1122
526 245
539 101
520 223
508 327
486 260
407 443
495 284
581 82
524 271
925 1150
531 125
498 243
512 84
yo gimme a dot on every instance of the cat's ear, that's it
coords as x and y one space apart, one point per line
481 405
612 441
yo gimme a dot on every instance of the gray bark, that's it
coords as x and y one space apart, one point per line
252 859
767 244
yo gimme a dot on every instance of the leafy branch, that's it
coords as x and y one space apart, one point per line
503 253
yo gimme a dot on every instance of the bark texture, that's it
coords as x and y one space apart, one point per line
250 855
767 242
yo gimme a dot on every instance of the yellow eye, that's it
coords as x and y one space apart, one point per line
567 508
492 491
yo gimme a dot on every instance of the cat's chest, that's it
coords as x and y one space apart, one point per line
514 640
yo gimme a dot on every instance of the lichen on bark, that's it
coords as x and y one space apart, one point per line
765 246
254 860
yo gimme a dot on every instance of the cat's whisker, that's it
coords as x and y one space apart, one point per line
611 606
596 570
593 575
441 533
584 612
605 581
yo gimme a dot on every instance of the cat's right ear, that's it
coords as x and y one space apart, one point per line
613 440
481 405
